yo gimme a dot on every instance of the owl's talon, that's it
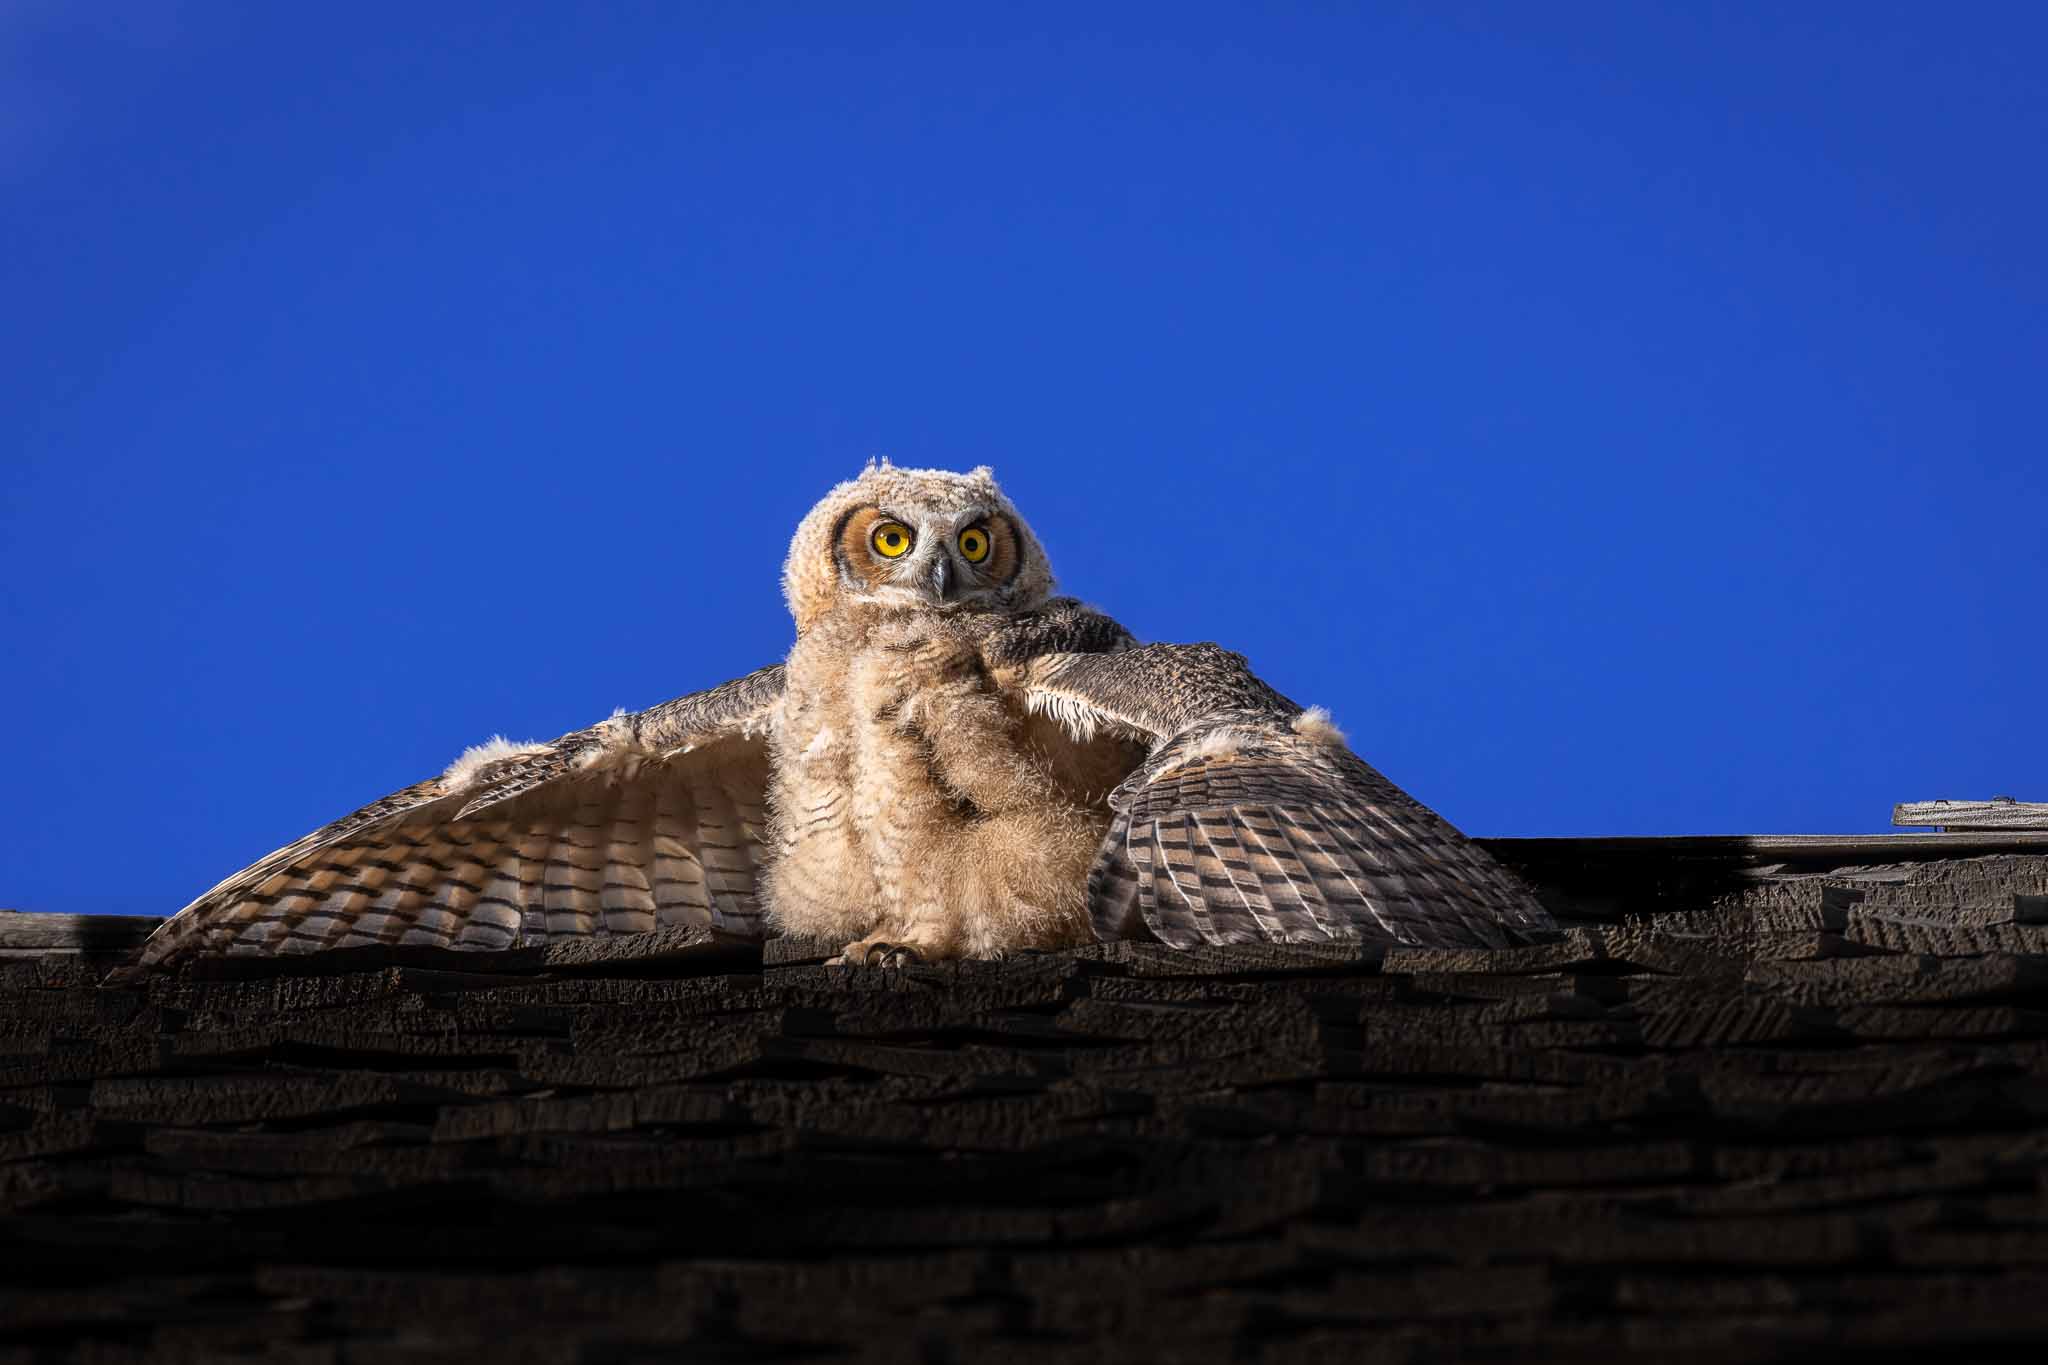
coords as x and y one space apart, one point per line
931 656
878 953
896 955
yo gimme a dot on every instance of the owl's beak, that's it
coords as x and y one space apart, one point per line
942 578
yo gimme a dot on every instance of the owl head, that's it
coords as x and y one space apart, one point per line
914 540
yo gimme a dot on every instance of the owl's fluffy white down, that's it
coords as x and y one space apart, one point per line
1315 724
477 757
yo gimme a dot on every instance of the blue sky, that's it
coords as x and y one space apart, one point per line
1626 418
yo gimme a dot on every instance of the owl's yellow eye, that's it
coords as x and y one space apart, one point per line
891 540
974 545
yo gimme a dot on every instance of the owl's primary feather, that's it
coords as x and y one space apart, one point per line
636 823
1251 821
950 762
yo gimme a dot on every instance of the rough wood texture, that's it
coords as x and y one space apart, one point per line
1776 1111
31 935
2001 812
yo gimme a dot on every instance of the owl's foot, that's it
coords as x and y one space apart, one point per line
873 952
919 656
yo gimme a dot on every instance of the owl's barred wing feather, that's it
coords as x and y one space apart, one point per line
645 820
1252 822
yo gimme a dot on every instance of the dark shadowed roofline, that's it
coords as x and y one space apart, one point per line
1763 1099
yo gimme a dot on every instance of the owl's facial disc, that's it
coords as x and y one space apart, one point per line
944 560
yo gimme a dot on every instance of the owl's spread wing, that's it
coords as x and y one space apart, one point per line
1252 822
647 819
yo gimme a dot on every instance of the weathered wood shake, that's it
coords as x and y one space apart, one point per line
1763 1099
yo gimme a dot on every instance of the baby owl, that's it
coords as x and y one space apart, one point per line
951 762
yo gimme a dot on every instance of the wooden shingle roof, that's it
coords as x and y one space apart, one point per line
1765 1099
